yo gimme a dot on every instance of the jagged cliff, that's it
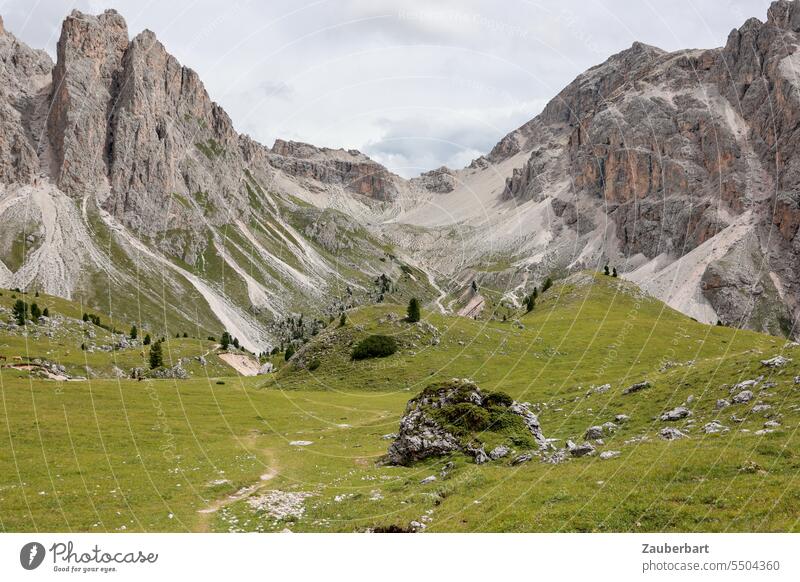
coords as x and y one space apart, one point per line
678 168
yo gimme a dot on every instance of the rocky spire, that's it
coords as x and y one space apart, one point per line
90 52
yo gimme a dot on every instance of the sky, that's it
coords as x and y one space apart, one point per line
414 84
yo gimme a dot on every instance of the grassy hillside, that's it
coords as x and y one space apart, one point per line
298 450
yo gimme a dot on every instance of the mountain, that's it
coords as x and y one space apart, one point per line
125 186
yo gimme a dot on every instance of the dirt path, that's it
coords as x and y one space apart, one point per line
245 365
206 514
442 292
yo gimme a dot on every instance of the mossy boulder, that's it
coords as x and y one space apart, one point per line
457 416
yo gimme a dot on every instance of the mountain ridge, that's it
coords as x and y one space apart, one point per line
656 162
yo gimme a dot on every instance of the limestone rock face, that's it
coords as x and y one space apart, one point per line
23 73
85 81
349 169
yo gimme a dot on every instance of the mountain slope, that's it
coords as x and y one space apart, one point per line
125 185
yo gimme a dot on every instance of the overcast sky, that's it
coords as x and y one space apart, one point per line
415 84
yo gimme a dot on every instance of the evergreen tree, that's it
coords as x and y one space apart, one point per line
614 273
134 332
606 271
46 312
146 341
225 341
156 356
413 310
530 303
343 319
86 317
535 293
236 342
547 284
474 286
185 334
36 312
289 352
20 311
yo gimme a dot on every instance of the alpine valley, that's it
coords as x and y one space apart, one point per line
235 313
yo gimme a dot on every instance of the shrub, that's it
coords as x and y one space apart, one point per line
313 365
289 352
497 399
374 346
413 312
46 312
36 312
343 319
225 341
134 332
547 284
614 272
146 341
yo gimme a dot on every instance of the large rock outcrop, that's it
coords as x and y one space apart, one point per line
456 416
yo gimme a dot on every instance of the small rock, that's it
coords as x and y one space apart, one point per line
427 480
523 458
448 466
605 455
714 427
761 408
499 452
636 387
742 397
764 431
676 413
671 434
772 424
301 443
743 385
622 418
593 433
722 403
776 362
389 437
601 389
580 450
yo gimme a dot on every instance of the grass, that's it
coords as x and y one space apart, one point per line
105 454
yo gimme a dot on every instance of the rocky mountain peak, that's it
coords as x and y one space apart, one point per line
784 14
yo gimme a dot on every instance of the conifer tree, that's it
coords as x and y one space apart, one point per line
413 310
156 356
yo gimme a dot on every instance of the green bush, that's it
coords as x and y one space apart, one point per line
374 346
313 365
497 399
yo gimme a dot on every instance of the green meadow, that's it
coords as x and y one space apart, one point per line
299 449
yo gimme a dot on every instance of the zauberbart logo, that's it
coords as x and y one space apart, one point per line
31 555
